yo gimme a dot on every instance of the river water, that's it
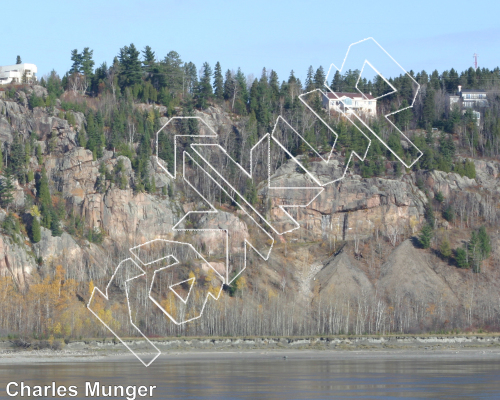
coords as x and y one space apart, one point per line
279 375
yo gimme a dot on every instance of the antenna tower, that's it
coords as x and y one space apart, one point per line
475 61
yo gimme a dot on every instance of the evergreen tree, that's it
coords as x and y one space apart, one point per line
448 213
229 85
428 109
205 87
36 234
218 82
130 66
149 58
319 77
337 82
18 60
474 252
429 214
87 62
43 192
469 169
6 189
403 117
484 243
55 224
76 57
445 249
426 236
310 79
17 158
461 258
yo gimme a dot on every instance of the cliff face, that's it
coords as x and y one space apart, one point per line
353 209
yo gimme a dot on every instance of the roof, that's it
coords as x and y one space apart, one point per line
338 95
473 91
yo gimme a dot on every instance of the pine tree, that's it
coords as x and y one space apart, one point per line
469 169
426 236
461 258
445 248
229 86
218 82
429 214
475 252
428 109
149 58
18 60
87 62
484 242
17 158
205 87
43 192
319 77
310 79
55 224
36 233
76 67
6 189
130 65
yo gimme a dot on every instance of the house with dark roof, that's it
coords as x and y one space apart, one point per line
469 98
348 103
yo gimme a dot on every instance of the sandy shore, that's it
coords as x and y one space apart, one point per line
473 346
35 357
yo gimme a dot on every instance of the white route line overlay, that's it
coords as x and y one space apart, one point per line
320 188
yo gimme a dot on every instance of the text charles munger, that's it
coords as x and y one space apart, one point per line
92 389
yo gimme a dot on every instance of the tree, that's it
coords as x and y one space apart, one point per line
130 66
469 169
445 248
149 58
428 110
474 252
55 224
426 236
218 82
36 234
205 87
87 64
309 83
429 214
6 189
18 60
319 77
484 242
43 192
404 116
461 258
76 57
449 213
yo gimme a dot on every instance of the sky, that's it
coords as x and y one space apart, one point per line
278 35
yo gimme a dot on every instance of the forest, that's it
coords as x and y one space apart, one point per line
52 305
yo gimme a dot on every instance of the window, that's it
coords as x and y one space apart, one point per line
347 101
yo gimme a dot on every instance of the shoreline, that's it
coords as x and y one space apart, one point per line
105 350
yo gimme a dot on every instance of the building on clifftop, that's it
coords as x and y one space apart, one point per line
18 73
361 104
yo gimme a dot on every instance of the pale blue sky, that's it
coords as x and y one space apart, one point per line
279 35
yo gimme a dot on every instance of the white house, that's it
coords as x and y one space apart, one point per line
469 98
15 73
361 104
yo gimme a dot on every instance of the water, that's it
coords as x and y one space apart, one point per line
301 375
